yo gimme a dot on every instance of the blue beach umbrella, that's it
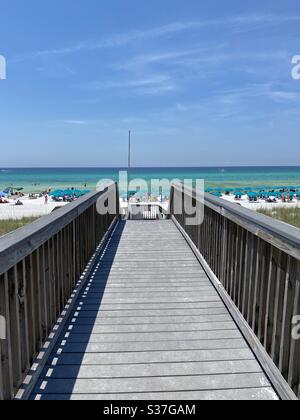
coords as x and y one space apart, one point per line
217 193
8 191
80 193
68 193
132 193
56 193
253 196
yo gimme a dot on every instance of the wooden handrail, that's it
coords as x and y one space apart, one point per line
286 237
257 261
40 265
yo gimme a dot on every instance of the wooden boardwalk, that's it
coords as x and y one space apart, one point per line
150 325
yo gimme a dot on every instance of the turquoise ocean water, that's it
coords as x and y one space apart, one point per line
34 180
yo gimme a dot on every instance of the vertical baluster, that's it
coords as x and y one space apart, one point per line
15 327
286 330
6 353
44 295
256 286
268 327
279 295
266 262
294 360
36 273
29 292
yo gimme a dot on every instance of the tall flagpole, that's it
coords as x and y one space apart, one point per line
129 162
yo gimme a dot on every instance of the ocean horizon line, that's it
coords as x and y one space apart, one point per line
149 167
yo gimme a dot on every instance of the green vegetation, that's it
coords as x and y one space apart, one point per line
287 215
7 226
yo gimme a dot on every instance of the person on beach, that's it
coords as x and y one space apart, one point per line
46 199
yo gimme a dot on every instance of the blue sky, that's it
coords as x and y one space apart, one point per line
200 83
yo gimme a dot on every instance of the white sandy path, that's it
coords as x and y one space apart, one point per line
31 208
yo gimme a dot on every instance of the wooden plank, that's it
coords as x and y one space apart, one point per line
157 305
132 284
125 347
140 370
250 394
107 295
151 300
154 313
134 327
155 336
169 320
92 289
168 356
153 384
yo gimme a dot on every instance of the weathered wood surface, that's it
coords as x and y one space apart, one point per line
150 325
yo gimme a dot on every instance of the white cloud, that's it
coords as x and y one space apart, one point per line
236 23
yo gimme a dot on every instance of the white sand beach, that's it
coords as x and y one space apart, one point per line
38 208
30 208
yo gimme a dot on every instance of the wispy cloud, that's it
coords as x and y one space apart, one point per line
159 57
264 90
149 85
75 122
236 23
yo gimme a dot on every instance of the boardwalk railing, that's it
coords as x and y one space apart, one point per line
257 261
145 212
40 265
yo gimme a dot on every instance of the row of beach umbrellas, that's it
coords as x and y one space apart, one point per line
257 192
69 193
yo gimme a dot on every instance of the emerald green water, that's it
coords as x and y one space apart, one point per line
33 180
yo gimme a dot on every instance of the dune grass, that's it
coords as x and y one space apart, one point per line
287 215
7 226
